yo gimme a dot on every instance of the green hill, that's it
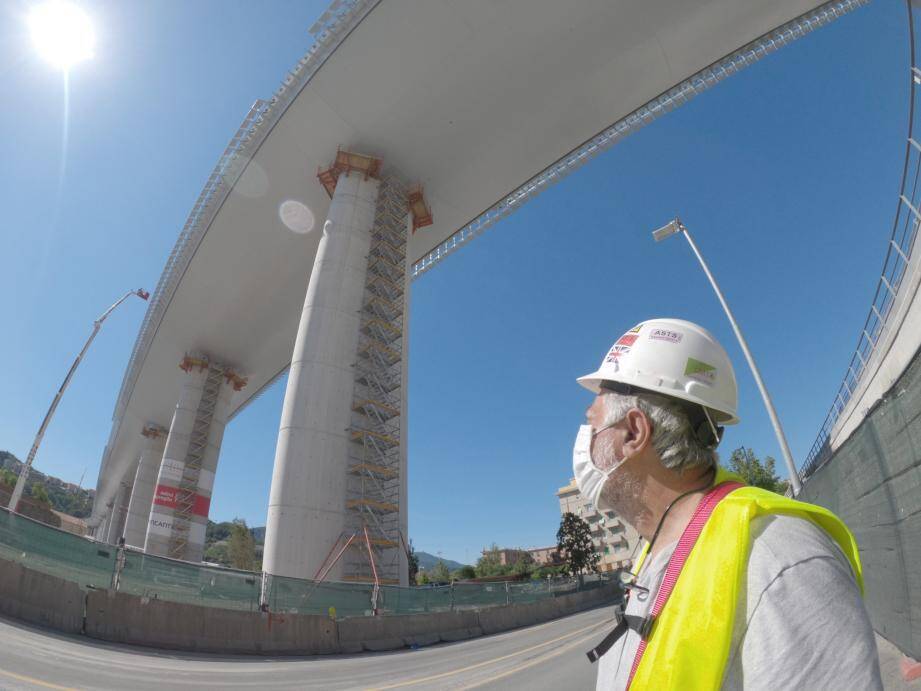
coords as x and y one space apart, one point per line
427 562
65 497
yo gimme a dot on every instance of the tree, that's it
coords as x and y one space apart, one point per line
217 553
440 572
549 570
40 494
215 532
744 462
464 573
490 563
7 477
242 546
413 562
574 542
422 578
524 565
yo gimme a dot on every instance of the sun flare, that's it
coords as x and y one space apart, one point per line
62 33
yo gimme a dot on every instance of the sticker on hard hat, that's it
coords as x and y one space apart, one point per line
701 371
635 329
665 335
615 352
622 347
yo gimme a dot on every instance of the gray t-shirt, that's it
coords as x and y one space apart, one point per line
800 621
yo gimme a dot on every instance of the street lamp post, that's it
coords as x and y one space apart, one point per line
27 466
676 226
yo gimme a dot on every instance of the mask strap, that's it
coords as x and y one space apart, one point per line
717 431
591 450
603 429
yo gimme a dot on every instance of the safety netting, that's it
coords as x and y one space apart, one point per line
56 552
93 564
181 581
334 599
432 598
476 595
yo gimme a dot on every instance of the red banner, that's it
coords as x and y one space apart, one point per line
168 497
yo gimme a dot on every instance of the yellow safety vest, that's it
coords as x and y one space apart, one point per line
688 646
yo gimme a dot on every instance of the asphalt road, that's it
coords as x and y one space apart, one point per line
546 656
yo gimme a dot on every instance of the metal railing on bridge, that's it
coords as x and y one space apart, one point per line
898 256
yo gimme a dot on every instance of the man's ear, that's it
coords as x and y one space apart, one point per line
639 432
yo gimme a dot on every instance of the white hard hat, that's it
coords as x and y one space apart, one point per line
674 358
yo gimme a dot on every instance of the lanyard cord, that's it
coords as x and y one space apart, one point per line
676 563
668 508
642 625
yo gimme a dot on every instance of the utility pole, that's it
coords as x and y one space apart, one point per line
27 466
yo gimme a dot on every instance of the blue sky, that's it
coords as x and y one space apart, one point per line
787 174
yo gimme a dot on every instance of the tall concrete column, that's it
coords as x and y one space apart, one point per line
182 496
108 527
110 523
102 530
307 514
145 480
120 509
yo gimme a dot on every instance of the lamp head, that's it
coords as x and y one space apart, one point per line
670 228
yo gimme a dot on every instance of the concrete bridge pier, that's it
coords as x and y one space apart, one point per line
116 526
182 495
307 503
145 481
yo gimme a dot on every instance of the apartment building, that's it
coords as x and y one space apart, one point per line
615 540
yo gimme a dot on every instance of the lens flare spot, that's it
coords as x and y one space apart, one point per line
296 216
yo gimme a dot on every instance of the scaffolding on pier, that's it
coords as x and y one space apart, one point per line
374 470
188 487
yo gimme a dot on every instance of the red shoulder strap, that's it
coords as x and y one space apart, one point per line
680 556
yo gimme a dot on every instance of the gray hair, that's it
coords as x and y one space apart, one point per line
672 436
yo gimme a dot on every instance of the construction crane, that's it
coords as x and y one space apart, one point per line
24 473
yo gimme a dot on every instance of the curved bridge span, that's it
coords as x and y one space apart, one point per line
410 127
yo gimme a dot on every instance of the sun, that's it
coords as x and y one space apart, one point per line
62 33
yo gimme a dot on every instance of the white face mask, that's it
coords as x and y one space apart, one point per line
589 478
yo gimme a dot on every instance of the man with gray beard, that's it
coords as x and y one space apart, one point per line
737 587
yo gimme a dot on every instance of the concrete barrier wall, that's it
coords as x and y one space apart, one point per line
496 619
123 618
40 599
131 619
397 631
873 482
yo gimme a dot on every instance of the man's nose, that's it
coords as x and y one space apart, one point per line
590 414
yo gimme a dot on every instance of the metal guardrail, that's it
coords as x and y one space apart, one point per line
898 255
642 116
